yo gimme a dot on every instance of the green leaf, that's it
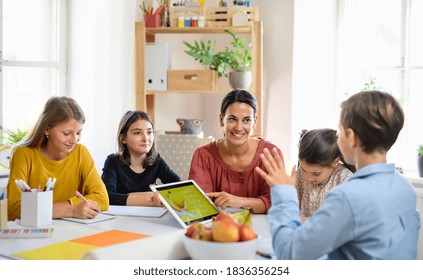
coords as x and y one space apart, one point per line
237 58
12 137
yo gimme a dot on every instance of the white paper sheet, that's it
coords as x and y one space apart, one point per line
137 211
99 218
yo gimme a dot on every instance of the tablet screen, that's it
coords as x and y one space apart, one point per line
187 201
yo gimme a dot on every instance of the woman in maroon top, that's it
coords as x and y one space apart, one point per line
225 169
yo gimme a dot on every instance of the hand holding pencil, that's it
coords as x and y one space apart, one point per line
88 209
79 195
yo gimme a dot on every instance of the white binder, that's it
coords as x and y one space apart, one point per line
157 62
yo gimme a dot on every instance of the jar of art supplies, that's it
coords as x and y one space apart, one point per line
194 21
187 22
201 22
181 21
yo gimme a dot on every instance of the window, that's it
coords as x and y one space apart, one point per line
33 61
379 46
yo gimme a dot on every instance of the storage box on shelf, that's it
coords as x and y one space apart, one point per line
214 16
222 16
192 80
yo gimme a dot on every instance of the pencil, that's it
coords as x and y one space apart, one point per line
78 194
264 255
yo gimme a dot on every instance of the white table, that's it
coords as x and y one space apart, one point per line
163 227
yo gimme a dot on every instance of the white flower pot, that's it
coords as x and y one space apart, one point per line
241 80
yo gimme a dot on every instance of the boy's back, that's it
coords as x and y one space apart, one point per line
372 215
385 221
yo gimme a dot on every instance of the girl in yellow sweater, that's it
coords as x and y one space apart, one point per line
51 150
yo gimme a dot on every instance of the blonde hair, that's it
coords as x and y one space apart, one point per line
57 109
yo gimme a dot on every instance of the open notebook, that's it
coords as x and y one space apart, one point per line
118 210
136 211
99 218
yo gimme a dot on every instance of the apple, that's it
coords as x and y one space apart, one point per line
246 233
225 231
204 234
222 216
194 227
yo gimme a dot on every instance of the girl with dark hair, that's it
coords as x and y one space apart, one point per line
225 169
136 165
321 167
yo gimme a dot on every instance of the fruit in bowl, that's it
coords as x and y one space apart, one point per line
226 239
212 250
225 231
193 228
246 233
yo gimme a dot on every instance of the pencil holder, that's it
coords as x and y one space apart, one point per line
152 20
36 208
3 213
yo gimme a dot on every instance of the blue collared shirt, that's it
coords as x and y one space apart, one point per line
372 215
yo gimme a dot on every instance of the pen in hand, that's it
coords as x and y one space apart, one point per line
79 195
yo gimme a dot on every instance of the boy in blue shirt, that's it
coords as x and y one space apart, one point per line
372 215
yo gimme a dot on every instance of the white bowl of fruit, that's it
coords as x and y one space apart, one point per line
225 239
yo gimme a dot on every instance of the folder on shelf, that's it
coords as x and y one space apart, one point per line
157 62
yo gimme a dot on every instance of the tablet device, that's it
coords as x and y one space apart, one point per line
187 202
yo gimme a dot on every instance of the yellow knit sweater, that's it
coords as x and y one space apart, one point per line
75 172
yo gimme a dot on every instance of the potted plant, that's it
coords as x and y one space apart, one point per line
238 59
11 137
8 138
420 159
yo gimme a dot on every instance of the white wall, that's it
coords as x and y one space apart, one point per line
313 89
278 32
101 74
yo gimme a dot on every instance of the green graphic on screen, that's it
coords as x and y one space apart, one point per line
188 202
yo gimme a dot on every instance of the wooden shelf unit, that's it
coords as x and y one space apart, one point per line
145 99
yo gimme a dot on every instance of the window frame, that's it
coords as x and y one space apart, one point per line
60 65
405 70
